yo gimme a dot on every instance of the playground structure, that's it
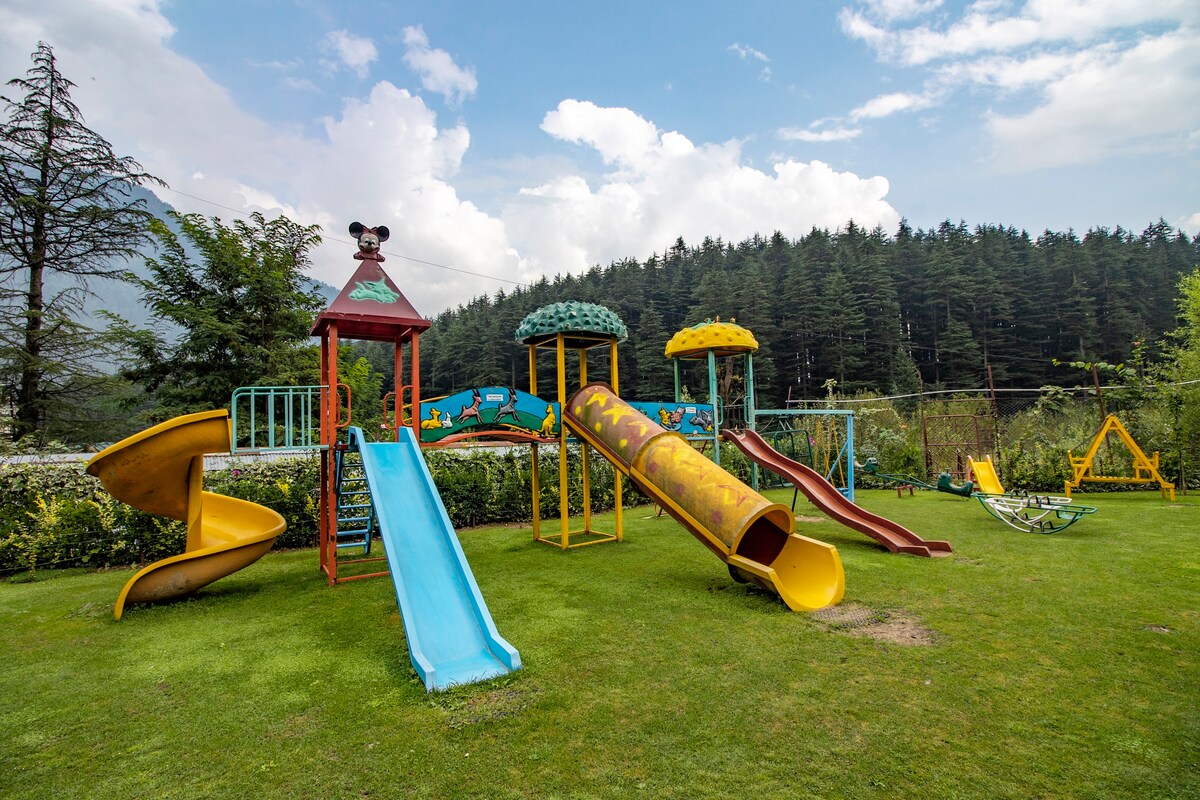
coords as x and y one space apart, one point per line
753 536
1145 468
384 491
944 484
1033 513
366 489
580 327
826 497
711 340
160 471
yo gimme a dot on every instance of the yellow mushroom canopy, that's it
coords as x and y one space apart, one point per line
724 338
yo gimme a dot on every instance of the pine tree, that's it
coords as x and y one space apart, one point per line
67 205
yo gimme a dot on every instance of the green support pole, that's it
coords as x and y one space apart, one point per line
712 399
750 414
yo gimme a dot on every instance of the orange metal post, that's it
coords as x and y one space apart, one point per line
414 357
329 439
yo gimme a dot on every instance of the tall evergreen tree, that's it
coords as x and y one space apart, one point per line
67 205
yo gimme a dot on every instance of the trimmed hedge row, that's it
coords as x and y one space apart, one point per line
56 515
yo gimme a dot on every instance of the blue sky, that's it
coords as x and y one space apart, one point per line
511 140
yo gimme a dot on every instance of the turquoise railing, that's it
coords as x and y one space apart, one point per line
276 418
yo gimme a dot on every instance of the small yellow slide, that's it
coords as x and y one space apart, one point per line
161 471
985 476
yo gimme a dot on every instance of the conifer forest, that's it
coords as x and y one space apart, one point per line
877 313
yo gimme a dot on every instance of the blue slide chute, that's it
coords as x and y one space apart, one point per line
452 639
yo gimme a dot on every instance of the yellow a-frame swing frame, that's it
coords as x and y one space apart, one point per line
1145 469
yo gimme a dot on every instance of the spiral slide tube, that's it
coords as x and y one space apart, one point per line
741 527
160 471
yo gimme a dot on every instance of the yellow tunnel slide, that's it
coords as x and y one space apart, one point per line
160 470
744 529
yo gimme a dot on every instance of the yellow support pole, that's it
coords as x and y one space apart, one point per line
585 451
195 502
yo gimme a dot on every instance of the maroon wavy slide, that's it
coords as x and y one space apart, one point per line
825 496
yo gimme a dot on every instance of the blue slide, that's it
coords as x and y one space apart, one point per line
452 639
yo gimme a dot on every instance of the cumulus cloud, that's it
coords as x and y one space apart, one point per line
1146 99
437 69
350 51
382 157
663 186
1097 77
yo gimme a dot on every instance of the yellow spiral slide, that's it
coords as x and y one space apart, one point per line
161 471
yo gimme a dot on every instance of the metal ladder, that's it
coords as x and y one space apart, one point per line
355 510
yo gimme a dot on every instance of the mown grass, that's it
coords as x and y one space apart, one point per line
1060 666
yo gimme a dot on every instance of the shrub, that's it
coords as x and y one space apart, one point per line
56 515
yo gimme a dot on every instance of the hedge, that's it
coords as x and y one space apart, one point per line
56 515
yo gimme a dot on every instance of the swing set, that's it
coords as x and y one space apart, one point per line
1145 468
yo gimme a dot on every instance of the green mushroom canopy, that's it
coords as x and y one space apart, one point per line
583 325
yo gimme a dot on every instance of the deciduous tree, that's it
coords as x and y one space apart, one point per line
244 306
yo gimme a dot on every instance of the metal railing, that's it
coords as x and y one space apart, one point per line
279 417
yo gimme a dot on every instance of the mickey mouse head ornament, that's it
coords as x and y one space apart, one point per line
369 240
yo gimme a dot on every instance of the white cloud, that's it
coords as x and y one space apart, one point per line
1143 100
301 84
815 135
1093 77
890 10
987 27
353 52
663 186
747 53
437 69
619 135
888 104
1015 73
1190 224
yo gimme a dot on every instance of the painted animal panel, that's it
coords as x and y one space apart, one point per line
471 411
508 409
549 422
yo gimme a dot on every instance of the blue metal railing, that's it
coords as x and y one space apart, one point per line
276 418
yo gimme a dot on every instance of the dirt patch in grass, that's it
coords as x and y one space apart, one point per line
893 626
90 611
469 707
801 518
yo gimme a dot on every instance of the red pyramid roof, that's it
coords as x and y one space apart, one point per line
370 307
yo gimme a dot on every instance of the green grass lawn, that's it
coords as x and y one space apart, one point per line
1059 666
